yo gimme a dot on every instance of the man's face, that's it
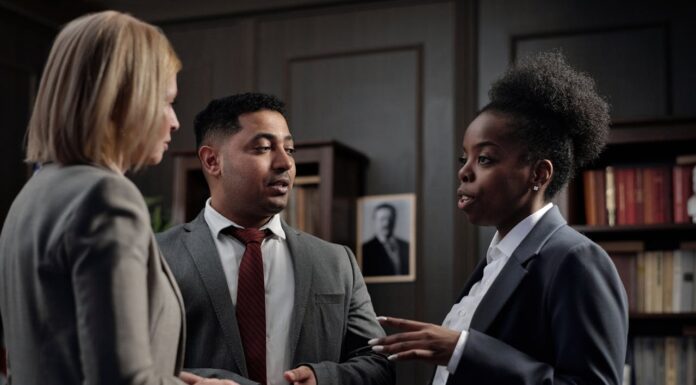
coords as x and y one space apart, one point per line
257 169
384 222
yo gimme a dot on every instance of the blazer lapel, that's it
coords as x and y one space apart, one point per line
515 270
302 268
473 278
201 248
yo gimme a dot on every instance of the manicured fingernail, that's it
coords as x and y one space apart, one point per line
393 357
377 348
372 341
381 318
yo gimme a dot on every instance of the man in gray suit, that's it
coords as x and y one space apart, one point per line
318 315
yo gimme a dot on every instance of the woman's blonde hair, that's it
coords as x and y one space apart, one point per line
101 96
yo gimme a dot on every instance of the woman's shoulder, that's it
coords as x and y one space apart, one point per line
568 246
87 179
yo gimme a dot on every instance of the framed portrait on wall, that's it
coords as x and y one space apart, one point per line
386 238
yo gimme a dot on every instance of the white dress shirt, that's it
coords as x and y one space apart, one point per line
499 252
278 278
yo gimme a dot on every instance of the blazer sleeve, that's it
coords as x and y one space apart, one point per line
359 364
107 249
588 323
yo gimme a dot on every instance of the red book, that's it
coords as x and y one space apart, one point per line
640 200
649 196
681 191
630 182
664 185
589 192
657 194
601 197
621 196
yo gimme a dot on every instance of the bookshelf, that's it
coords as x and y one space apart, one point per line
330 177
626 202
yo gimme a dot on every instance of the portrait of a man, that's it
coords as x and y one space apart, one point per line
385 254
385 238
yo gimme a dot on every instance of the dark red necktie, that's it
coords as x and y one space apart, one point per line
251 302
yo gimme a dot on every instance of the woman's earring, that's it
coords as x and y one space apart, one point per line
535 188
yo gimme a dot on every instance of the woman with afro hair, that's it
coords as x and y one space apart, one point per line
546 305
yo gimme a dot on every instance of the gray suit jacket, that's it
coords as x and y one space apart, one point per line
331 322
556 314
85 295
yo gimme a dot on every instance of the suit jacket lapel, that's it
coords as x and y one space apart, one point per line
473 278
302 268
515 270
202 250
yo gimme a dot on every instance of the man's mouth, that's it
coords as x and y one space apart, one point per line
280 186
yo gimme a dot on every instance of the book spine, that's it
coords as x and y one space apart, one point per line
590 190
611 199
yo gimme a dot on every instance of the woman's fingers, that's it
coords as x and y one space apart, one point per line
421 341
402 324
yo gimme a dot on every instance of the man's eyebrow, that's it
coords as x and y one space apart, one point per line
271 137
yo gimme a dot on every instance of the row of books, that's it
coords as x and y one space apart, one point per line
658 281
302 211
621 195
663 361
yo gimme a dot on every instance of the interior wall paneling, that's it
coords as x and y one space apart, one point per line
14 108
21 64
381 80
465 47
624 47
217 60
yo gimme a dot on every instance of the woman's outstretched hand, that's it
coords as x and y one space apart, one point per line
418 341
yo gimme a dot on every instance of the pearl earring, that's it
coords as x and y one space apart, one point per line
535 188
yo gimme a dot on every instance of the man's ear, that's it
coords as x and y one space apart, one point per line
542 173
210 160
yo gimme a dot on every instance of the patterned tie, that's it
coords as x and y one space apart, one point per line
251 302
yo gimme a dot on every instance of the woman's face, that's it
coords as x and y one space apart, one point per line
168 124
495 177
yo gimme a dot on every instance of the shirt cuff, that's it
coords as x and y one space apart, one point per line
457 353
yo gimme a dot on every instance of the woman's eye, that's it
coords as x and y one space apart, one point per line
484 160
462 159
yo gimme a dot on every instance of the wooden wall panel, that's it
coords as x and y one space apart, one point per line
24 44
14 108
361 97
624 49
217 59
380 79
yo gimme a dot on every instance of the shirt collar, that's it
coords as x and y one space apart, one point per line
218 222
505 247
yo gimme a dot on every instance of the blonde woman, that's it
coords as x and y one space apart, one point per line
85 295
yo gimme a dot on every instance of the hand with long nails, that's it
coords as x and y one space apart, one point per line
420 341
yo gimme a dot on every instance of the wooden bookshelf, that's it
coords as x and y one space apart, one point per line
643 143
336 171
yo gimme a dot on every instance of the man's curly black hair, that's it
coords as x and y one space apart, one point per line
555 111
221 116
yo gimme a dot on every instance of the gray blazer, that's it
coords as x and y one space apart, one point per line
556 314
332 318
85 296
